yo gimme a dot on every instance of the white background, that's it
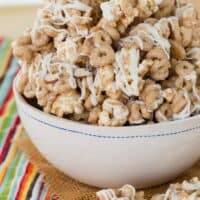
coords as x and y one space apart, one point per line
18 2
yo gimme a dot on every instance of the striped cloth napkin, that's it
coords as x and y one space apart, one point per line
19 179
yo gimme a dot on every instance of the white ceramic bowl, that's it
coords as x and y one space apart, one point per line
144 156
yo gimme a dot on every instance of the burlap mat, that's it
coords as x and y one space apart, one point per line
66 188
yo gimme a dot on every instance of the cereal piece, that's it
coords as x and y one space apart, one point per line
146 113
110 29
156 53
43 49
147 43
165 9
101 38
151 21
22 40
147 8
51 97
169 94
127 6
51 32
127 191
61 86
39 38
127 71
41 91
83 117
22 82
113 92
186 190
124 22
151 95
195 37
184 68
139 196
104 77
68 51
176 30
135 116
102 56
86 47
94 115
67 103
160 70
89 103
187 15
163 27
186 34
193 55
30 90
108 194
173 82
164 113
114 113
177 50
23 53
111 10
179 103
145 67
150 33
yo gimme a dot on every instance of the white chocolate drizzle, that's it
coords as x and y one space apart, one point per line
191 186
69 49
133 39
153 34
107 194
90 83
193 54
193 77
185 11
187 109
83 90
77 5
111 10
55 12
127 77
161 116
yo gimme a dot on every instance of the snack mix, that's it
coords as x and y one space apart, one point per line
187 190
113 63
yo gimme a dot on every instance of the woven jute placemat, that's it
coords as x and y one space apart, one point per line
66 188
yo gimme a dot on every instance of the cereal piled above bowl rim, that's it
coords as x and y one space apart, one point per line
113 63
